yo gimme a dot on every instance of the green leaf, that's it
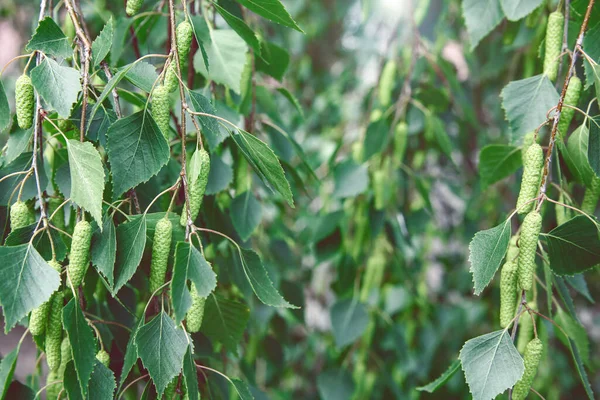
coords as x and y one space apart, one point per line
96 126
574 246
83 343
161 347
576 155
264 162
219 176
259 279
592 49
517 9
190 374
131 353
527 102
7 370
272 10
142 75
246 213
41 242
137 150
274 61
593 149
497 161
349 320
226 53
581 369
104 249
335 385
17 143
189 265
480 18
441 381
240 27
50 39
578 283
131 239
103 43
436 126
491 364
575 331
225 321
5 119
27 282
242 389
102 382
596 72
292 99
87 177
59 86
376 138
350 179
486 252
8 185
210 126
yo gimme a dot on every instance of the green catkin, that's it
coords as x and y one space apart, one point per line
400 141
563 214
358 152
374 270
386 83
59 217
508 293
66 355
196 312
103 357
530 230
171 80
554 39
525 328
380 178
53 390
160 109
19 215
513 249
170 389
196 188
39 316
133 6
54 332
528 140
24 101
160 253
531 359
532 172
79 258
591 197
184 35
567 113
68 28
31 218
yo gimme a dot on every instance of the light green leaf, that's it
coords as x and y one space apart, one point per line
104 249
227 56
292 99
577 158
527 102
442 379
574 246
83 343
189 265
272 10
265 163
481 16
240 27
161 346
497 161
491 364
27 282
246 213
87 177
486 251
103 43
137 150
59 86
131 239
50 39
4 109
225 321
517 9
349 319
593 149
350 179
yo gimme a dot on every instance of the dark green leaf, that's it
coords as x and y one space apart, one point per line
272 10
335 385
131 239
190 374
142 75
219 176
40 241
8 185
49 39
593 149
240 27
576 155
7 369
103 43
210 126
276 60
4 109
497 161
18 142
441 381
349 319
102 383
246 213
225 321
574 246
104 249
486 252
242 389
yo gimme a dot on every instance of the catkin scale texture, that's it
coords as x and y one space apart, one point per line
133 6
532 173
571 100
24 102
19 215
508 293
103 357
160 253
553 45
196 312
79 257
531 358
184 34
39 316
386 82
530 230
54 332
160 109
196 188
53 390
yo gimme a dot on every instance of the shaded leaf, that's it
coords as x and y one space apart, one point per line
210 126
240 27
350 179
272 10
517 9
7 369
246 213
131 239
225 321
486 252
574 246
335 385
480 18
497 161
442 379
349 319
104 249
4 109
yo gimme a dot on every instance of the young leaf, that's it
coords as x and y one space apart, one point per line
517 9
272 10
137 150
27 282
527 102
442 379
131 239
104 249
103 43
480 18
497 161
161 346
491 364
189 265
59 86
83 343
246 213
50 39
486 252
349 319
225 321
574 246
87 177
